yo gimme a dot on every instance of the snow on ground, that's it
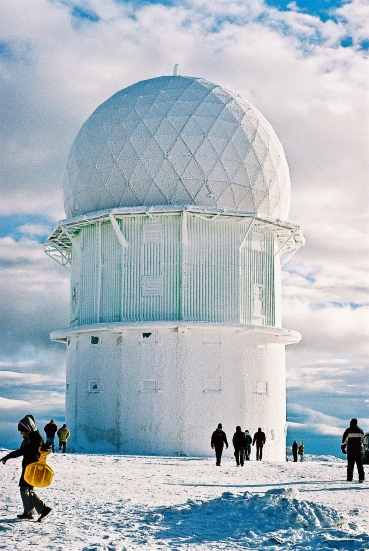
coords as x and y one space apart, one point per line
124 503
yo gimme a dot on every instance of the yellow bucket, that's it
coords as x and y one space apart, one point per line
39 474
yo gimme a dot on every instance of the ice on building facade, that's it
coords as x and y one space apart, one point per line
177 196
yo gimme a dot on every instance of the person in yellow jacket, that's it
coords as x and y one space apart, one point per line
63 435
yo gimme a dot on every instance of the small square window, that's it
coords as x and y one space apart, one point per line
213 385
95 386
150 385
153 233
257 243
95 339
262 387
149 337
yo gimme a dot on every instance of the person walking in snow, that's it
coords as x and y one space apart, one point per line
239 444
50 430
63 435
29 449
218 439
300 451
294 450
259 438
352 440
248 442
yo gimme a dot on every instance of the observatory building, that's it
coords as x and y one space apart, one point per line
176 197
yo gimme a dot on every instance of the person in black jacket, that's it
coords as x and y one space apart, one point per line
294 450
50 430
29 449
351 444
248 442
218 439
259 438
239 444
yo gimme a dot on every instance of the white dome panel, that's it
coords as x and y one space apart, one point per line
177 141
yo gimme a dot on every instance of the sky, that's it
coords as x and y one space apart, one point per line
303 64
188 504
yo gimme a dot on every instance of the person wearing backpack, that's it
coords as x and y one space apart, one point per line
29 449
239 444
248 442
218 439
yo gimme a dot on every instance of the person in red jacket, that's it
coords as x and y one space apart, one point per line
29 450
259 438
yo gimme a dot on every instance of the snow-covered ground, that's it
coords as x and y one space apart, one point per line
111 502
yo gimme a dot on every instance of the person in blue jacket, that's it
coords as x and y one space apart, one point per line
29 450
352 440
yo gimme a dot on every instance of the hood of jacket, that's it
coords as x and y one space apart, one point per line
27 424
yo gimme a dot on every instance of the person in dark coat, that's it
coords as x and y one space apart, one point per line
248 442
259 438
239 444
352 440
294 451
301 450
29 450
50 430
218 439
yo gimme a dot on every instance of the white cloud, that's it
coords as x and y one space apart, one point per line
5 403
14 378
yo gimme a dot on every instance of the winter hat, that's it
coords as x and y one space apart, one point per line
219 425
353 422
27 424
64 426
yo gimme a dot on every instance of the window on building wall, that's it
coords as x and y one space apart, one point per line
94 339
95 386
257 315
151 285
150 385
213 385
149 337
257 241
153 233
262 387
75 290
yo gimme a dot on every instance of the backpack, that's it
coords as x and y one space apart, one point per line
248 439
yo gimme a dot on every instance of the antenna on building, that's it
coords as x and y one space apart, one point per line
175 70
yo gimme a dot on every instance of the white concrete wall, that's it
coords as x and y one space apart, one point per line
205 375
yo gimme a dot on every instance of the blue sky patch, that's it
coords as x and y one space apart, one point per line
89 15
319 8
25 225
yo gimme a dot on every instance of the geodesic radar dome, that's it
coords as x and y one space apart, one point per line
177 141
